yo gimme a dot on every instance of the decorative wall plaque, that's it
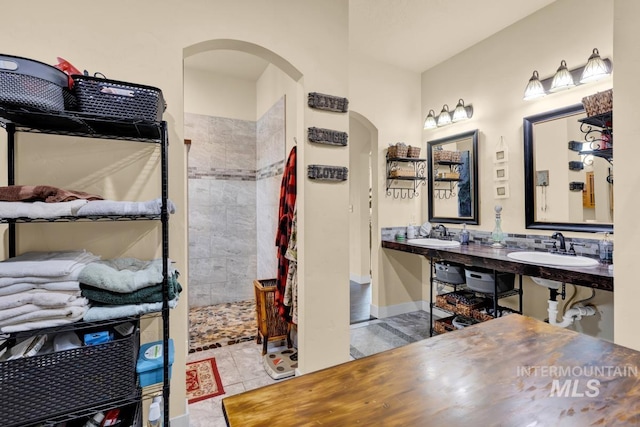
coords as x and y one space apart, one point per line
328 102
327 173
327 136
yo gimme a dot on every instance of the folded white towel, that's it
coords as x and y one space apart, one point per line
114 207
96 313
123 274
48 264
68 286
42 299
17 311
8 281
35 210
45 323
45 314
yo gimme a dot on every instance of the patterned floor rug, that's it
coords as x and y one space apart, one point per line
222 324
203 380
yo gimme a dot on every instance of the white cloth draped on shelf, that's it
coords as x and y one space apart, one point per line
112 207
36 210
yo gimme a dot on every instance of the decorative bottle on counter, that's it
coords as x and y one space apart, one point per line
497 236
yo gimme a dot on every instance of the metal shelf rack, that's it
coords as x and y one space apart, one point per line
15 120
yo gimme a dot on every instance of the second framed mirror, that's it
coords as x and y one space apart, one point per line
453 179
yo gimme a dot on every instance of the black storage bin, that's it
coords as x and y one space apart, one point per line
34 85
116 99
44 386
482 280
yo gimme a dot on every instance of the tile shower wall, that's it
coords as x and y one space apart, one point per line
224 229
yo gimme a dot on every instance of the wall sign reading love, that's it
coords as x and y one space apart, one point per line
327 173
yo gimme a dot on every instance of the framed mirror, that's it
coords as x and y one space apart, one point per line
568 170
453 179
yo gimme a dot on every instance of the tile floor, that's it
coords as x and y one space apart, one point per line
240 365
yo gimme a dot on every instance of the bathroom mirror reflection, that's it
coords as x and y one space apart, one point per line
568 171
453 179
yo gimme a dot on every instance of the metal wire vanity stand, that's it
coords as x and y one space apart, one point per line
90 126
495 296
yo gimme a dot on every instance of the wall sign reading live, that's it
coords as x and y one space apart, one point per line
327 173
328 102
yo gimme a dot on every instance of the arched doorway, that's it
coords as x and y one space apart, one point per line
241 104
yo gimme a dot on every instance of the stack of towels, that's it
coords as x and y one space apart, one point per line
42 289
125 287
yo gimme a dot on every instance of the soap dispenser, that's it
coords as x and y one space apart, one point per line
464 235
605 250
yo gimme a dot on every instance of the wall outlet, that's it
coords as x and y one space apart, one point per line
542 178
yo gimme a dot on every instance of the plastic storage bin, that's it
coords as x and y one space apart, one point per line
48 385
33 85
450 273
150 362
481 280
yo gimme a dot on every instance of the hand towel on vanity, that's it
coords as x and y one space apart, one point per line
123 274
36 210
48 264
113 207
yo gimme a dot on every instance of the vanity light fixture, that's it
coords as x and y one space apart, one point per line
462 112
444 118
534 88
595 69
562 79
430 121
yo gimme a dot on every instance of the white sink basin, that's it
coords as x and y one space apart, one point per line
434 243
547 258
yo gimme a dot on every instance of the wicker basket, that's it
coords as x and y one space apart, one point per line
456 156
598 103
397 151
400 172
483 316
444 325
442 155
460 302
413 152
271 326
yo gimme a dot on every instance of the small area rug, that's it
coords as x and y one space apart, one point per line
218 325
203 380
376 337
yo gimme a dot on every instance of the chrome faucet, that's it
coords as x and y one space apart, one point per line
442 230
560 238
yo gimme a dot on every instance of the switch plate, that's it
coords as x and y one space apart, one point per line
542 178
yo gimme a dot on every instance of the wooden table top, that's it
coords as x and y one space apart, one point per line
511 371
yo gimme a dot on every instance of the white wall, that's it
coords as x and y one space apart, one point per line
626 250
389 98
219 95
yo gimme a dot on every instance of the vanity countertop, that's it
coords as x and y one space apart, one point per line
479 255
